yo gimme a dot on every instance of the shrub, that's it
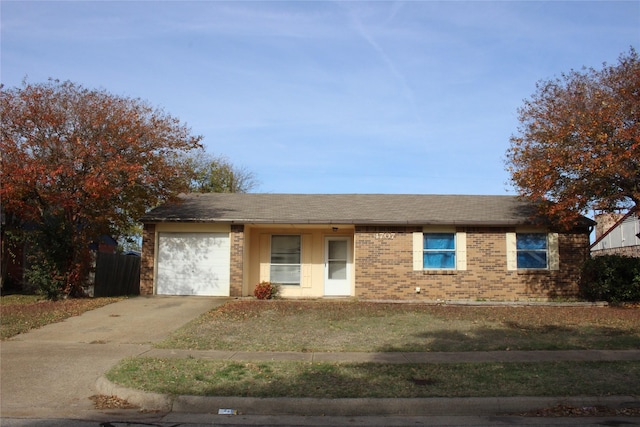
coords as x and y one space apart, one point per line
612 278
266 290
46 280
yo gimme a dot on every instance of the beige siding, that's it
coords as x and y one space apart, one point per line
312 257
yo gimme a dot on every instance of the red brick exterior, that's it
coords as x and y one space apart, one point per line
384 268
237 260
148 259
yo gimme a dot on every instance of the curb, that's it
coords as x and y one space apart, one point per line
145 400
462 406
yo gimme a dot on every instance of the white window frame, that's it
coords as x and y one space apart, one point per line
299 264
553 254
460 249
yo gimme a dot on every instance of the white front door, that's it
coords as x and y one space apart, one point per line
337 274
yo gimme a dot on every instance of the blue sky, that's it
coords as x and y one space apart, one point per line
327 97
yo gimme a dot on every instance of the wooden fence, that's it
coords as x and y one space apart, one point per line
117 275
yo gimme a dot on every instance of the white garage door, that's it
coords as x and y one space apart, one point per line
193 264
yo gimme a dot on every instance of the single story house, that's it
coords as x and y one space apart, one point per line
368 246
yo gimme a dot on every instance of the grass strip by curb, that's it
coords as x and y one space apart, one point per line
200 377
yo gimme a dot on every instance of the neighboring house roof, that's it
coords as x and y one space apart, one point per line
104 240
363 209
627 225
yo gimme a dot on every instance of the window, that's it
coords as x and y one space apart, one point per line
285 259
439 251
531 250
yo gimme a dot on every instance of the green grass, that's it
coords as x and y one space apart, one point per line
348 380
329 326
21 313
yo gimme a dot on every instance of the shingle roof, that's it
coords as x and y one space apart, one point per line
361 209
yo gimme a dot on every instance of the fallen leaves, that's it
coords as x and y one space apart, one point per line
110 402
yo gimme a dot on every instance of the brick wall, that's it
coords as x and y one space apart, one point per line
632 251
148 259
384 268
237 260
384 262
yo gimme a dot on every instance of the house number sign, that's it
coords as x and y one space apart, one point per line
385 236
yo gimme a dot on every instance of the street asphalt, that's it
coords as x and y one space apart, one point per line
51 373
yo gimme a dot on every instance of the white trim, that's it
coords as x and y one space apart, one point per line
418 257
461 250
512 252
553 251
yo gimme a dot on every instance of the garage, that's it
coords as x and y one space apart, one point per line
193 264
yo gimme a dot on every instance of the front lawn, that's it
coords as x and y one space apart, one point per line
351 326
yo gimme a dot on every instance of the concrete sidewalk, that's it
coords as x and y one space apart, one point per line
52 371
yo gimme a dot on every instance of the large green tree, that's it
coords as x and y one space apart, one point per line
78 163
216 174
578 143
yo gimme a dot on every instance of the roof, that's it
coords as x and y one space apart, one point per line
360 209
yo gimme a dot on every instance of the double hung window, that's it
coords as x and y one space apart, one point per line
285 259
532 250
439 251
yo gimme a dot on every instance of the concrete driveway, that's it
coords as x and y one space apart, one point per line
52 371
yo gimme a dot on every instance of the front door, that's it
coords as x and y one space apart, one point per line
337 277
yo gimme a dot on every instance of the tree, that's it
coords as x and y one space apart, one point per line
578 146
79 163
212 174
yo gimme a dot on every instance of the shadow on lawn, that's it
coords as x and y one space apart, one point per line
517 337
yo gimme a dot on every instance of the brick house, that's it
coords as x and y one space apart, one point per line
368 246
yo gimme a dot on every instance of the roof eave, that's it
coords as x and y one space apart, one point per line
364 222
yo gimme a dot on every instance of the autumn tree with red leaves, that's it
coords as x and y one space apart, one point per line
578 146
80 163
